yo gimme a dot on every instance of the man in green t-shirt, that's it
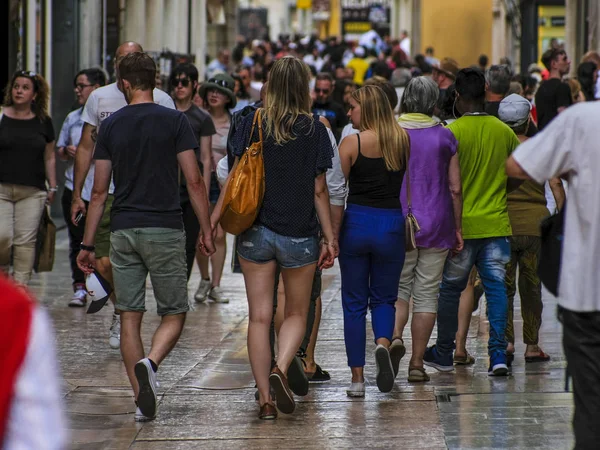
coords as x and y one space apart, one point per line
484 144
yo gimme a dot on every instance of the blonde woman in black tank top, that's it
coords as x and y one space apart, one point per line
372 235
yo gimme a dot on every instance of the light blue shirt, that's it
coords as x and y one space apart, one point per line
70 134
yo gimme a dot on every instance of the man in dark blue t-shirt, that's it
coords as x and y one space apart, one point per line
142 145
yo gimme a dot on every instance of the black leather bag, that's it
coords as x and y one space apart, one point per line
552 234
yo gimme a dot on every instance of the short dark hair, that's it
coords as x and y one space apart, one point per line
94 76
550 55
483 60
139 69
498 77
326 76
188 69
470 84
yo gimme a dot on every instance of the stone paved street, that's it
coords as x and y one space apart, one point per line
207 390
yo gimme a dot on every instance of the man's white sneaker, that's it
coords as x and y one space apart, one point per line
79 298
203 290
114 339
139 417
216 294
146 378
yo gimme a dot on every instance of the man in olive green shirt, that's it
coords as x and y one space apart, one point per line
526 209
484 144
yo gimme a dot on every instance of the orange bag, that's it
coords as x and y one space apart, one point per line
246 187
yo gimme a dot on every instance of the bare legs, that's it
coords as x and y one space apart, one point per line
421 327
164 339
260 279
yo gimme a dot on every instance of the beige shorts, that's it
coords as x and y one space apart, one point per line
421 277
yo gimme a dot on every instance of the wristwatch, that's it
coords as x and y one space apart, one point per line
87 248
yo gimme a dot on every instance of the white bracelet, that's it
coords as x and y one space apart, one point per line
54 189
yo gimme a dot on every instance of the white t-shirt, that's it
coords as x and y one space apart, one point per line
109 99
569 145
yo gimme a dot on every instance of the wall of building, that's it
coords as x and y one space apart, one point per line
461 29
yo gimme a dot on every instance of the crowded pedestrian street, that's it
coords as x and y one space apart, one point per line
207 390
300 224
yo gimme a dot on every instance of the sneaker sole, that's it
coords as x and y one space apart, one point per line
297 379
385 371
499 370
439 367
144 419
355 394
396 354
147 396
284 400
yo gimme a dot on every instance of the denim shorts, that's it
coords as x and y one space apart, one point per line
160 252
260 245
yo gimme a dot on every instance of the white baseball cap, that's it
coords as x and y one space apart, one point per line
98 290
514 110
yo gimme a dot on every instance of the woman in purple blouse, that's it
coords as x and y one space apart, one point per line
436 197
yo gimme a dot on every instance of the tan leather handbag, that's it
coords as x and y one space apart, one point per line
411 225
246 188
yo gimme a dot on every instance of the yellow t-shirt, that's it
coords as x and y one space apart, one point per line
360 67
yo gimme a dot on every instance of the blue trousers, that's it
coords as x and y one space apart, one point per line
371 260
490 256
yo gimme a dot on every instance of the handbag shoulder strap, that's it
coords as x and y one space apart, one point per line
407 178
257 121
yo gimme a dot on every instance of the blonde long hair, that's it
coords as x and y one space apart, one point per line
287 98
376 115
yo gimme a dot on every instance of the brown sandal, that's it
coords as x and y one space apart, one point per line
466 360
417 375
283 394
267 412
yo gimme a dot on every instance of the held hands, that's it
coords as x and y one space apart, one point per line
206 244
86 261
329 251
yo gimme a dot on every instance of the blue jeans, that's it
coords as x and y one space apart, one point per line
490 257
371 260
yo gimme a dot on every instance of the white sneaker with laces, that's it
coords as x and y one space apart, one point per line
216 294
146 378
203 290
79 298
114 339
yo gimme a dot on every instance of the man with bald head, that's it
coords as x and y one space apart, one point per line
100 105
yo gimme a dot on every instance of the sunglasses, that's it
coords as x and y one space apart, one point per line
27 73
82 86
185 82
222 83
321 91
